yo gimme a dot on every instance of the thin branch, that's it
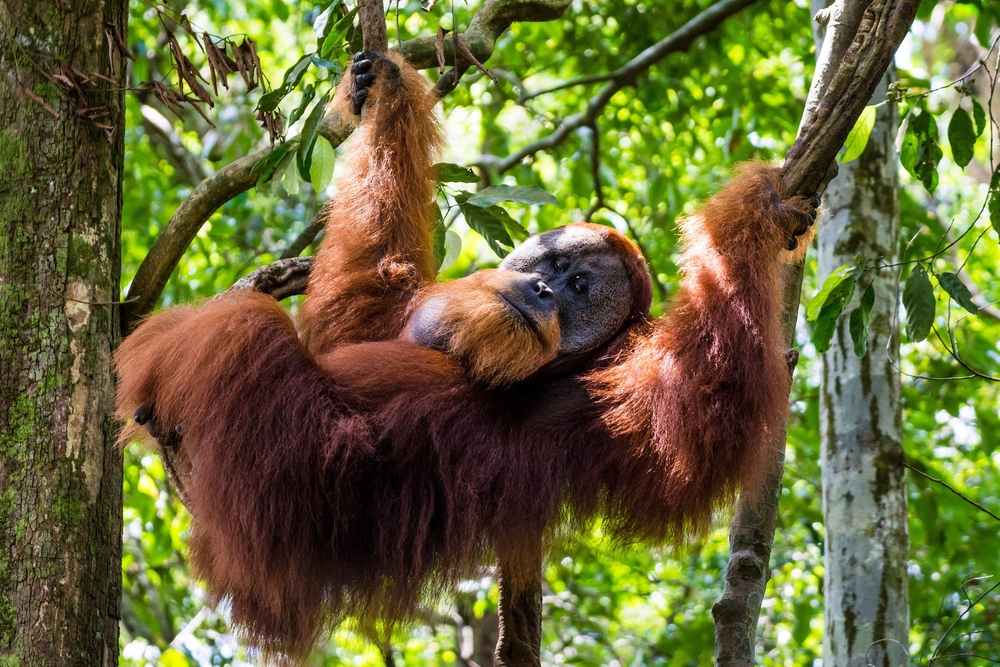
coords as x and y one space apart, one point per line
680 40
572 83
308 235
953 490
491 20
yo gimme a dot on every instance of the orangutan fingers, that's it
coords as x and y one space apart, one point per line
143 414
358 99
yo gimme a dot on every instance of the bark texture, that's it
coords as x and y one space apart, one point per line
60 473
864 496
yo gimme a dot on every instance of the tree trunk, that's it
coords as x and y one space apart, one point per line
864 497
60 472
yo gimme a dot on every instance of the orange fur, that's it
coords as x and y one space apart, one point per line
497 348
377 250
330 478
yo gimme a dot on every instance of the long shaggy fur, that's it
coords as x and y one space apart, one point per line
377 250
332 479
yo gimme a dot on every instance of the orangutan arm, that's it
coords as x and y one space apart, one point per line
699 398
377 249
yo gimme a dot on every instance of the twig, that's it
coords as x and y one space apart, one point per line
680 40
307 236
953 490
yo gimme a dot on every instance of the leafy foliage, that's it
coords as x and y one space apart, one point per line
664 145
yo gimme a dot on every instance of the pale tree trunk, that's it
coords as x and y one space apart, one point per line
864 497
60 472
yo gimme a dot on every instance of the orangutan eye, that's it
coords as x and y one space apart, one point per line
579 284
562 264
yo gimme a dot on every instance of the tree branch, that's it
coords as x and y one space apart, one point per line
490 21
680 40
861 40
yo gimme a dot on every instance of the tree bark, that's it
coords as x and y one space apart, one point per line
864 495
837 98
60 472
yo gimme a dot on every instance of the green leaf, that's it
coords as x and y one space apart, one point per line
453 246
280 9
337 33
825 308
860 133
489 227
961 137
523 194
957 290
319 62
307 96
270 101
295 73
918 299
825 325
994 207
266 166
832 282
512 225
908 151
920 152
172 658
454 173
290 179
322 22
281 172
980 115
859 320
321 169
308 138
438 233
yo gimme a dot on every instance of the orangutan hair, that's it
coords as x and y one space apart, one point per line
353 462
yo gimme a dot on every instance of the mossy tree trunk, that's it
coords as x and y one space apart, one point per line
60 189
865 594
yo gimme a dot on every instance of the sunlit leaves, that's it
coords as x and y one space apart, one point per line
860 133
961 137
957 290
918 299
321 168
824 309
338 34
293 75
454 173
490 227
308 94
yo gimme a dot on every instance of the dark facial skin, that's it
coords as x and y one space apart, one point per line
587 278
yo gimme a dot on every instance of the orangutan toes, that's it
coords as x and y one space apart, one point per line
364 75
